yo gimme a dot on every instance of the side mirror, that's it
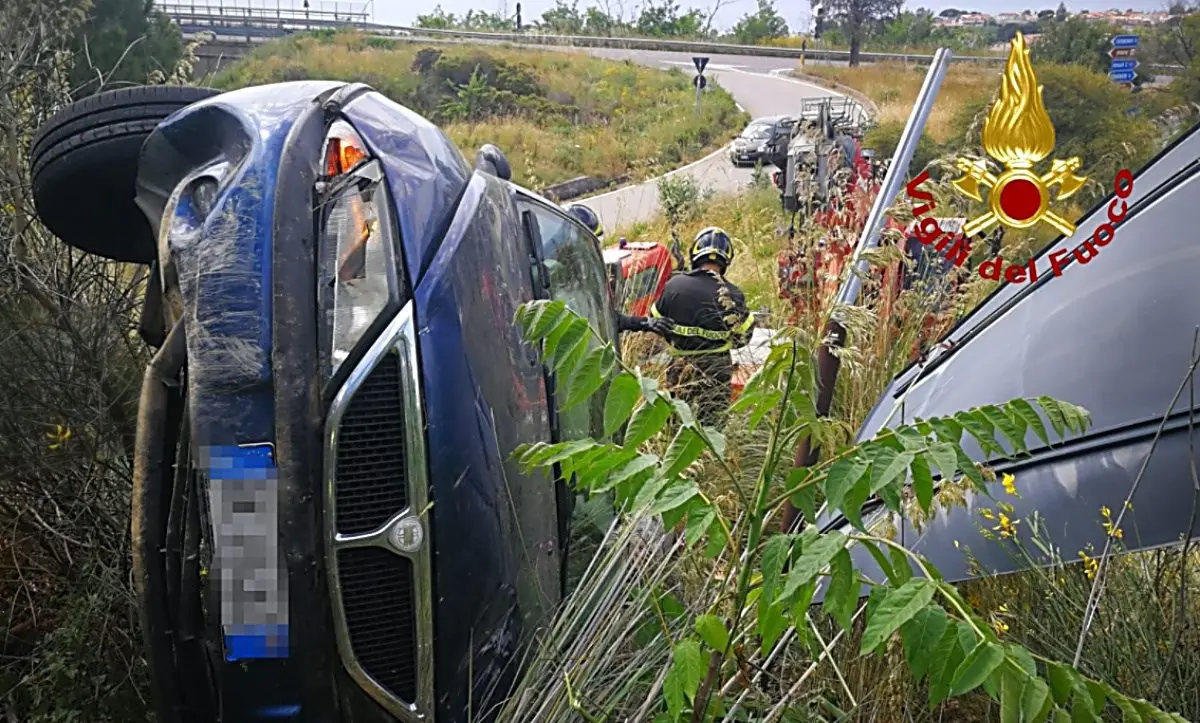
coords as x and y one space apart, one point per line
491 159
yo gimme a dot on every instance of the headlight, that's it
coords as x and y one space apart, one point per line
358 240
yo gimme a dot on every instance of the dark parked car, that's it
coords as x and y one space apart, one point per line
1113 335
752 145
328 524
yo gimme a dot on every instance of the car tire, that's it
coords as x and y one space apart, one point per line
83 168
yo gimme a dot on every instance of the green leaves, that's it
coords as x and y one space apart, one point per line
648 420
841 597
589 376
921 636
976 667
944 661
813 558
713 632
683 680
897 607
1035 701
623 396
685 449
841 477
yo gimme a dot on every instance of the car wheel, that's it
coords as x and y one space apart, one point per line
83 167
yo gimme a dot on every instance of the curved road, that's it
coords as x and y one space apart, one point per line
758 86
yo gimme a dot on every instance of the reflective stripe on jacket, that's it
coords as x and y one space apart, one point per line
709 314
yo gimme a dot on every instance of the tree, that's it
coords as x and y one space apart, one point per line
488 22
439 19
123 41
1045 15
856 17
1075 41
599 22
1061 13
907 29
662 18
766 23
950 13
563 19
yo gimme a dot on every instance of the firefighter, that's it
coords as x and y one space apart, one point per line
709 318
587 217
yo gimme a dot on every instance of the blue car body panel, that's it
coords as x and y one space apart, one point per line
426 173
465 267
484 395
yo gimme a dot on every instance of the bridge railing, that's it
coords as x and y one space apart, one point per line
251 22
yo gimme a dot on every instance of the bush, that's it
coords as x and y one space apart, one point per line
885 137
1074 41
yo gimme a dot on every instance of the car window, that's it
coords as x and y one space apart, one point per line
757 130
579 279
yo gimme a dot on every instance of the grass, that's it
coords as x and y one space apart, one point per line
894 88
557 115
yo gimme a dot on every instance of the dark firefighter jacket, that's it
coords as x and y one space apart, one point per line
709 313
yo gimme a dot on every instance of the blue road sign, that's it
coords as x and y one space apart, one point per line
1125 41
1123 76
1124 64
700 63
700 82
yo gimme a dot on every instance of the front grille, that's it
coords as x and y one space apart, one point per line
370 477
377 596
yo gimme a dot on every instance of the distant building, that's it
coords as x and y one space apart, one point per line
1115 17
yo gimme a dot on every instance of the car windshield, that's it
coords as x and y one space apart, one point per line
757 131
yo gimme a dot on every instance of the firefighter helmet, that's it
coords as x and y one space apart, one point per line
587 217
712 245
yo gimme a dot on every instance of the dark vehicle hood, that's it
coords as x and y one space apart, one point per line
1113 336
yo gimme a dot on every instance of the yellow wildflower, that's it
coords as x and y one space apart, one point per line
1105 513
1090 565
1007 480
59 436
987 514
999 626
1007 528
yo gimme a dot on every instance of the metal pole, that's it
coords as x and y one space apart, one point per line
697 84
897 173
828 363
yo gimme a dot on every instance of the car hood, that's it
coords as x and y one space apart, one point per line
1114 336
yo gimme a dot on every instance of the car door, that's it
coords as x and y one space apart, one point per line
572 265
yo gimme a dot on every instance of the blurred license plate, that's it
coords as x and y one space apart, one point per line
249 567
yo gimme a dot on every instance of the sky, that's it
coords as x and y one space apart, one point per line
795 12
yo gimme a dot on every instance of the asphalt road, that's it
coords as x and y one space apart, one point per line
755 83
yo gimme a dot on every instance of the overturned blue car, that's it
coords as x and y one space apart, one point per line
327 520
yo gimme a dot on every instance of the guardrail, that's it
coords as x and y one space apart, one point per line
249 22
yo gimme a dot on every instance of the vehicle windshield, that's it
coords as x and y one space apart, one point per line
757 131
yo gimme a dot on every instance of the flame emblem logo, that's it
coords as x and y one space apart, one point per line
1018 134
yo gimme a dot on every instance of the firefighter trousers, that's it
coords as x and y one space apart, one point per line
705 382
